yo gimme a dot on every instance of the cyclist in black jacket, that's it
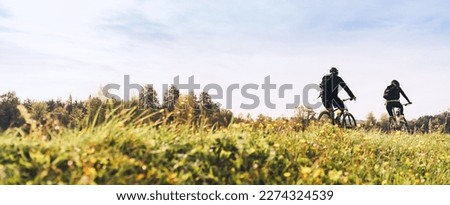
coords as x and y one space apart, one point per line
330 89
392 96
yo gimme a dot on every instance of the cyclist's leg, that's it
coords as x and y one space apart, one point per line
328 114
400 106
327 102
389 107
337 102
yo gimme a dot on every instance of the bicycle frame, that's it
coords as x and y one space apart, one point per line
342 118
396 110
397 122
344 111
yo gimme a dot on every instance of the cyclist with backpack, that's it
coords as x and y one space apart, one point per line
392 96
330 89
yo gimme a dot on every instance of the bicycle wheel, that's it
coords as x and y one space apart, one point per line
403 125
348 121
324 117
392 125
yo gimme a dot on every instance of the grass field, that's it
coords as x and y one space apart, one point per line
120 152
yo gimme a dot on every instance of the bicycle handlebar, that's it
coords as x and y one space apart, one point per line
347 99
406 104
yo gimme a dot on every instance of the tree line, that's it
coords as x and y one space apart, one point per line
77 114
54 115
425 124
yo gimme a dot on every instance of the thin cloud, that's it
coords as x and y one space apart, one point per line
136 26
6 29
4 13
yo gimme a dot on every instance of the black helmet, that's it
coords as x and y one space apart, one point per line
396 83
334 70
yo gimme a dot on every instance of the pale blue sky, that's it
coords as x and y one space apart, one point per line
50 49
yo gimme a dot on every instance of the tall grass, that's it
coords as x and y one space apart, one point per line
124 151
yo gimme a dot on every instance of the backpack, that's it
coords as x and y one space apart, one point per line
389 93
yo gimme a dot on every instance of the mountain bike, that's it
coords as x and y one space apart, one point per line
344 119
398 121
